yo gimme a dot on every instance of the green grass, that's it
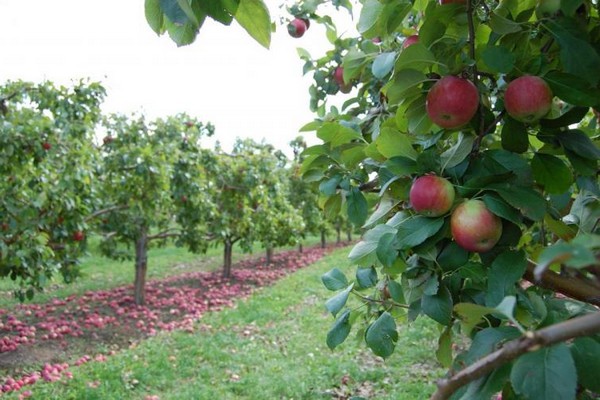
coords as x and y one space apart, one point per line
271 346
100 273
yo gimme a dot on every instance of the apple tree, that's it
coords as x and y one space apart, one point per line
498 99
47 161
139 186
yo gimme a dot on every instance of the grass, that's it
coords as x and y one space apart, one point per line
99 273
270 346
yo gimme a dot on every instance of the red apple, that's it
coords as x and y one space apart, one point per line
338 76
306 22
474 227
78 236
46 146
410 40
376 40
431 195
297 27
528 98
452 102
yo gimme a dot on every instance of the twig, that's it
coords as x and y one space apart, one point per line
581 326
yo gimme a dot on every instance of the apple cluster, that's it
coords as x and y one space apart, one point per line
474 227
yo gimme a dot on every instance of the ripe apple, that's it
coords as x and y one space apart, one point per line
376 40
431 195
474 227
547 8
338 76
412 39
46 146
297 27
452 102
306 22
78 236
528 98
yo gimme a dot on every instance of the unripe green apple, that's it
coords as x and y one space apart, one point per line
474 227
452 102
431 195
528 98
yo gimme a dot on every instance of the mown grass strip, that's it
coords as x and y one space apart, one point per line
270 346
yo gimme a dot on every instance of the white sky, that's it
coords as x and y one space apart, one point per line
225 77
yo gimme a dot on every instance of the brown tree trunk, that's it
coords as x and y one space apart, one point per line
269 255
300 247
338 231
227 253
323 240
349 233
141 265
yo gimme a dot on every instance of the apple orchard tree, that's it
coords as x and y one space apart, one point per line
497 99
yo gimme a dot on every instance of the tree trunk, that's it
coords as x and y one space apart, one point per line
300 247
141 265
227 253
269 255
323 240
349 233
338 231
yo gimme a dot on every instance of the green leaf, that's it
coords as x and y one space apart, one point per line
514 136
333 206
369 15
363 253
548 373
457 153
503 25
154 15
386 204
391 143
571 254
219 11
174 12
585 352
552 173
439 306
403 81
401 166
334 279
329 187
416 230
357 207
337 302
573 116
579 143
500 208
366 277
181 34
577 55
444 350
526 200
499 59
254 17
416 56
572 89
386 251
381 335
339 331
383 64
396 292
506 270
452 257
471 315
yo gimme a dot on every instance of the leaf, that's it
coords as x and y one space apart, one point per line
548 373
154 15
392 143
500 208
357 207
585 352
471 315
572 89
457 153
386 251
499 59
182 35
254 17
334 279
366 277
363 253
403 81
579 143
386 204
337 302
401 166
339 331
527 200
506 270
369 15
381 335
452 257
416 56
577 55
514 136
573 116
571 254
439 306
416 230
552 173
383 64
173 11
444 350
503 25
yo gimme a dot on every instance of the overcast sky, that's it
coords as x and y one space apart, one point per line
225 77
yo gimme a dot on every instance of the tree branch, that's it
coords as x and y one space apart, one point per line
569 286
581 326
105 211
164 234
369 186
